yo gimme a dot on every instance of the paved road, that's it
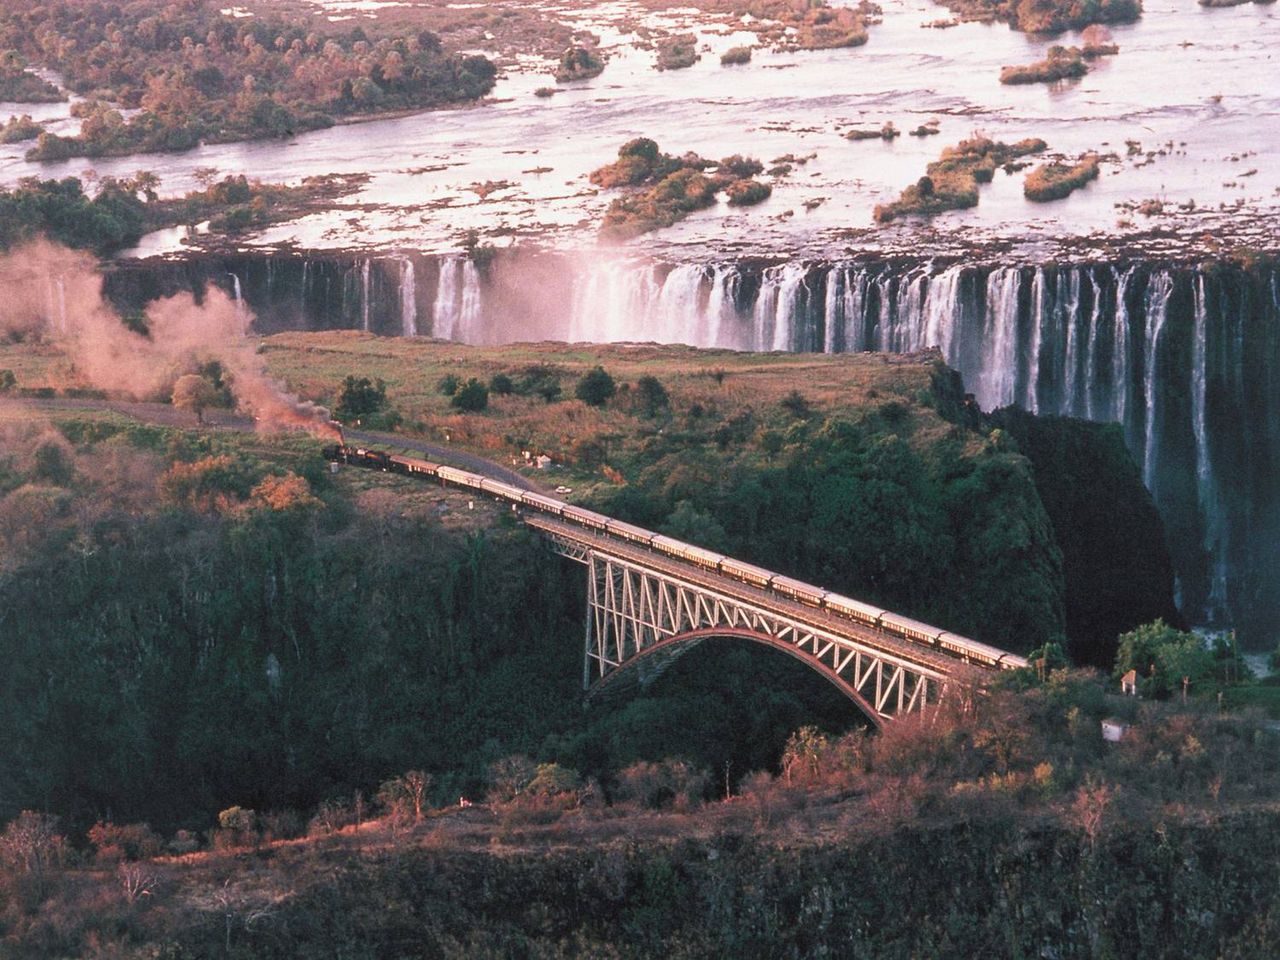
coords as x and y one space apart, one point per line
166 415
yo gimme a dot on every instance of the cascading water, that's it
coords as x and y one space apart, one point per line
408 299
237 296
366 300
1157 310
1186 359
456 313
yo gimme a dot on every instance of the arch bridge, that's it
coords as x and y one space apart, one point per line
645 610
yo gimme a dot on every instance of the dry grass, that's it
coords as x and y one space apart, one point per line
706 388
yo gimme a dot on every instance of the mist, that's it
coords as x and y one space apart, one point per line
55 294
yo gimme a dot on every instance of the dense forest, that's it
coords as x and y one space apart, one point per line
191 625
196 74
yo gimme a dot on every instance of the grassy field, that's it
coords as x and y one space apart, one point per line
707 389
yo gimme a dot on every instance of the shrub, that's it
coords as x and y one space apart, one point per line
669 783
1061 63
796 405
745 193
7 381
211 483
951 182
678 53
651 395
740 167
52 461
596 387
360 397
19 129
578 63
134 841
670 200
472 397
735 56
500 385
448 385
1053 181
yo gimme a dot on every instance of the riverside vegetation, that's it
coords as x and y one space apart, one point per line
197 74
236 647
676 187
951 182
121 211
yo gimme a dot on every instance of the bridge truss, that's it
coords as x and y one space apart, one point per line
643 612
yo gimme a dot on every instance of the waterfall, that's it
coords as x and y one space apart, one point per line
469 326
366 270
1120 350
408 299
1159 289
444 314
1199 427
675 316
237 297
1185 359
942 311
722 305
854 305
457 313
612 301
998 377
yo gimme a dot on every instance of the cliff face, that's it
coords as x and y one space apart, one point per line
1116 564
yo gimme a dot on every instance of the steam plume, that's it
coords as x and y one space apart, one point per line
57 293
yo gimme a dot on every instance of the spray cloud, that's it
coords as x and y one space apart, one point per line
57 293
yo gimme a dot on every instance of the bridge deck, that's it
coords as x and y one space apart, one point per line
931 661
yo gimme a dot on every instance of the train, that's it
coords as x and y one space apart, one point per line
837 605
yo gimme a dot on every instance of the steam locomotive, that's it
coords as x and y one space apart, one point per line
869 615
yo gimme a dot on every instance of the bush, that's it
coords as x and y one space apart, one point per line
651 395
1061 63
448 385
1053 181
134 841
658 786
472 397
735 56
500 385
596 388
677 53
740 167
578 63
7 381
745 193
360 397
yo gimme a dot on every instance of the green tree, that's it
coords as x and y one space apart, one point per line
193 392
652 395
596 387
472 396
1164 657
7 381
360 397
